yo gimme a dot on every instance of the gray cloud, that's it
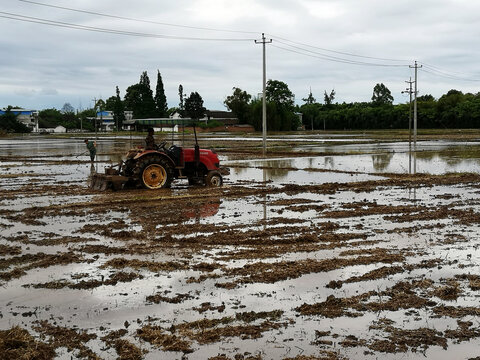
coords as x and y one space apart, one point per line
45 66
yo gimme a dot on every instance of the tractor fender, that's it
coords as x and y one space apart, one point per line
206 160
155 152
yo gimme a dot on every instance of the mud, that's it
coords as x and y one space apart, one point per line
373 265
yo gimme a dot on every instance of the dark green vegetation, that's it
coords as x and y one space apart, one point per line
280 107
452 110
50 118
9 123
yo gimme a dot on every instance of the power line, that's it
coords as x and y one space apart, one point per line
300 47
134 19
435 68
279 39
41 21
433 71
333 58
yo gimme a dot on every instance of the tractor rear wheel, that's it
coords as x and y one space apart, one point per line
154 172
214 179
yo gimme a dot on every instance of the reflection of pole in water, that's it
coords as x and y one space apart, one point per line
415 119
415 159
264 200
414 192
409 158
410 92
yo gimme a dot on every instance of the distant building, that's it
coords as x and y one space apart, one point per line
106 122
158 124
176 123
226 117
27 117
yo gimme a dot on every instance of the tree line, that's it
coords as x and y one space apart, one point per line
452 110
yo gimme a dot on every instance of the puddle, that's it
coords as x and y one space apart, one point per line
252 268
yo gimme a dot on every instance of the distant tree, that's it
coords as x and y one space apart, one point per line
238 103
426 97
181 104
100 105
85 117
70 121
194 106
139 98
145 80
9 123
67 109
110 103
118 110
451 99
280 112
328 98
310 99
279 93
381 95
148 103
49 118
309 114
160 98
133 100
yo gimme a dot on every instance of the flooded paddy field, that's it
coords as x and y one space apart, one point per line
333 246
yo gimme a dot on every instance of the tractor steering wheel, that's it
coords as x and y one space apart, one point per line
162 145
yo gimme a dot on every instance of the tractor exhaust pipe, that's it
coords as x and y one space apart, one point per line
197 152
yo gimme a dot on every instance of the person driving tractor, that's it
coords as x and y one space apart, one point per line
150 141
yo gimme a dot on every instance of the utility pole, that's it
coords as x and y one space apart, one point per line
415 117
415 104
95 113
410 92
264 101
95 119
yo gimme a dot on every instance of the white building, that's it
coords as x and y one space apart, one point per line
106 122
27 117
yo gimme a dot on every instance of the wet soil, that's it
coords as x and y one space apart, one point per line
382 268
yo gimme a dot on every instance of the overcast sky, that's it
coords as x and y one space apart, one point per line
208 46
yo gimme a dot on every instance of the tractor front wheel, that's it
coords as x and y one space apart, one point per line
154 172
214 179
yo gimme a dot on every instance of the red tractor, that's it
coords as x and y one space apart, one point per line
155 169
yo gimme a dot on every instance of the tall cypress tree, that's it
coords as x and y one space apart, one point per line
181 105
118 111
160 98
146 93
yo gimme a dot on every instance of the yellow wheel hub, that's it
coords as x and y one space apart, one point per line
154 176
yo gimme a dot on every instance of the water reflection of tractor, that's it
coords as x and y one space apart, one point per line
205 209
157 168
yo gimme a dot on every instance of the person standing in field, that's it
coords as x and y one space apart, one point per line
92 148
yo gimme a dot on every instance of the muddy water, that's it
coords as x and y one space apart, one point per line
171 259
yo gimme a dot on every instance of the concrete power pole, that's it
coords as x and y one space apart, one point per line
415 119
415 105
95 113
410 92
264 101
